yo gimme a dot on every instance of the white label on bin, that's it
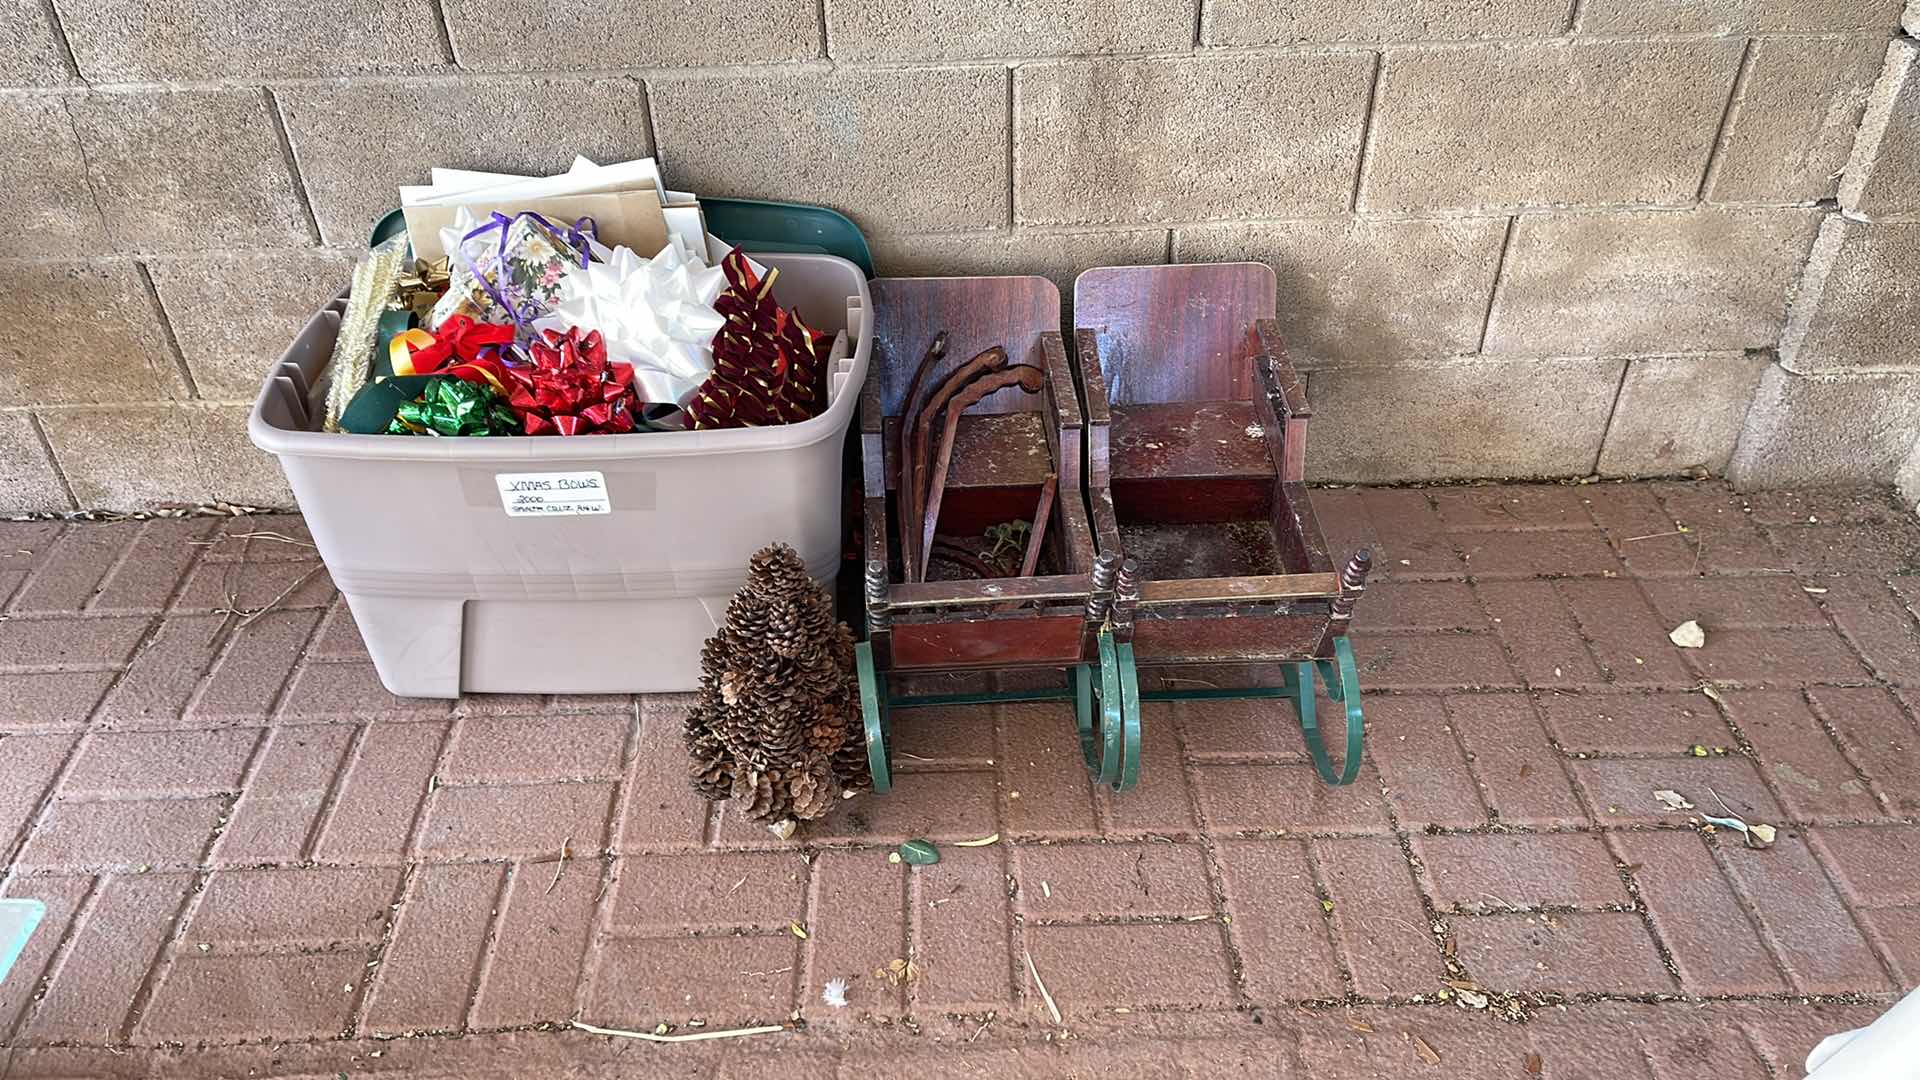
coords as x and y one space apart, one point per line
553 494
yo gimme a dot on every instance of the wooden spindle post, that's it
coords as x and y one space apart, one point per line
1353 582
1126 597
1100 596
879 613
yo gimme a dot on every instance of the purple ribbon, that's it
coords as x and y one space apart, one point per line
575 235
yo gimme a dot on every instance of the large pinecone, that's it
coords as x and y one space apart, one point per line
777 724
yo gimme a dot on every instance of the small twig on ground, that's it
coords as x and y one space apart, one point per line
561 868
1655 536
284 593
694 1036
261 534
1402 922
1052 1009
982 1030
227 615
1722 802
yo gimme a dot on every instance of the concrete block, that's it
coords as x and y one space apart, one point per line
229 465
81 332
1257 22
491 123
1676 414
29 481
1058 255
1910 20
1542 124
29 52
900 151
1648 282
189 170
1734 16
1456 419
1882 181
1817 429
1907 479
132 457
233 312
1793 118
1859 302
1189 139
930 30
44 196
523 35
1368 290
165 40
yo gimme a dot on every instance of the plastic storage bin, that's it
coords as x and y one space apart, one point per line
453 593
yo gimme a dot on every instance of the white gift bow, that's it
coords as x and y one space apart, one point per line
656 314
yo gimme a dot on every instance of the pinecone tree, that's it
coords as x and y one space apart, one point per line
777 724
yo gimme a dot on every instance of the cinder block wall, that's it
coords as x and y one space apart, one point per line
1524 238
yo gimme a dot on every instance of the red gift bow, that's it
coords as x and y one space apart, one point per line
572 388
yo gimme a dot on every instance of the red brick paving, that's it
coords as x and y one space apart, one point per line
256 862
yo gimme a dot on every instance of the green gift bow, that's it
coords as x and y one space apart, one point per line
455 407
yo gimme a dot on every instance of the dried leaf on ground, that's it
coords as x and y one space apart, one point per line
1427 1053
984 841
797 930
1534 1064
1673 799
1688 635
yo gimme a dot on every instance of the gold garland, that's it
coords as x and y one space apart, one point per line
375 283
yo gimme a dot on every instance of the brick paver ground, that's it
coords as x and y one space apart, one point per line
256 862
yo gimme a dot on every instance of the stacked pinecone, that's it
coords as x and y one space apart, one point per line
777 724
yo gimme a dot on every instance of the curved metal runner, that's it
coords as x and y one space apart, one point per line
1130 717
873 701
1107 698
1112 750
1346 691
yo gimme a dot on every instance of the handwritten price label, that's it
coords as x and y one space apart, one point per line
557 494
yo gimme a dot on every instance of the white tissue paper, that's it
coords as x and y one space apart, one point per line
1887 1049
656 314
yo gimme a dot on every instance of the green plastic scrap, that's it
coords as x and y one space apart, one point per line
918 853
